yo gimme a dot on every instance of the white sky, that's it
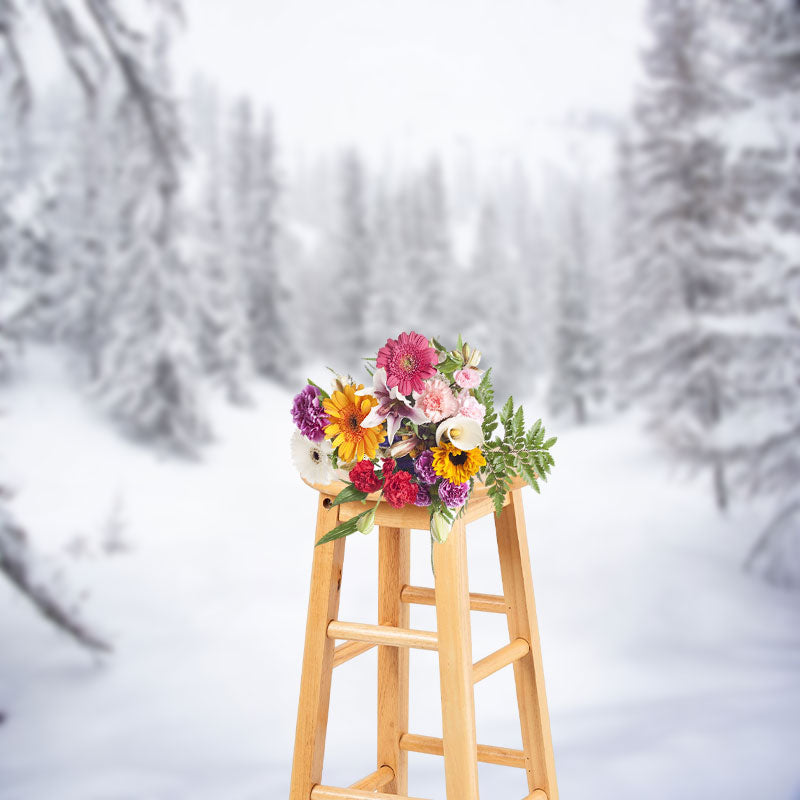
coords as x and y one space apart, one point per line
411 74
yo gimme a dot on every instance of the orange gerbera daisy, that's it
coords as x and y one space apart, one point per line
346 411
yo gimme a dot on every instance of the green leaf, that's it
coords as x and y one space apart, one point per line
344 529
322 392
550 442
348 495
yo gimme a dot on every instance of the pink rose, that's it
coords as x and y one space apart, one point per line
468 406
468 378
437 400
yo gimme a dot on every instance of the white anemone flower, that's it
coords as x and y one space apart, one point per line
312 459
463 432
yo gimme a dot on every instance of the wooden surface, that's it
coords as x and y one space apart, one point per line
421 595
344 652
504 756
455 666
376 781
393 637
499 659
479 489
394 569
333 793
515 569
382 634
315 679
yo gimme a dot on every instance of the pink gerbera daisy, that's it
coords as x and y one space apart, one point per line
408 361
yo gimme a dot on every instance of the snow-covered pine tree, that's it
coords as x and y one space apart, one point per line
354 258
222 322
529 257
270 298
436 261
384 305
682 250
762 441
492 314
576 368
149 377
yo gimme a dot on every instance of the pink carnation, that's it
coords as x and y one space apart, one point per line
468 378
437 400
468 406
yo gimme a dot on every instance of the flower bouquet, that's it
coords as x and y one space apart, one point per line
422 434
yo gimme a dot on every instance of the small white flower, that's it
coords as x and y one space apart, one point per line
463 432
312 459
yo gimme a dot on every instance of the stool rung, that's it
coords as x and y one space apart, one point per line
500 658
383 634
375 781
420 595
344 652
334 793
504 756
536 794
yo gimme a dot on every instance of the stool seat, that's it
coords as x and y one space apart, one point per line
413 517
452 641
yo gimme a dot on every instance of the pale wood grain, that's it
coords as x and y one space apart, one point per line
344 652
334 793
421 595
499 659
504 756
394 569
479 488
538 794
315 680
515 568
382 634
455 666
375 781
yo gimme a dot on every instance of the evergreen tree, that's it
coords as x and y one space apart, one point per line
575 373
271 317
222 323
149 371
762 442
683 247
355 255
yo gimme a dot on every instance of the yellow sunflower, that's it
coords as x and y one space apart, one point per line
346 411
457 466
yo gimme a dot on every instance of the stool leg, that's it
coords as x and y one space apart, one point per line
394 551
455 666
515 566
315 680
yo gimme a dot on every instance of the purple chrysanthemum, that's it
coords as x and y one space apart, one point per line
309 415
423 466
453 495
423 496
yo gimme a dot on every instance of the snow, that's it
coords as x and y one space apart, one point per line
670 671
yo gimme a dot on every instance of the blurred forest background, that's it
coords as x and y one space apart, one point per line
163 238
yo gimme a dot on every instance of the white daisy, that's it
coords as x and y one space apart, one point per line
312 459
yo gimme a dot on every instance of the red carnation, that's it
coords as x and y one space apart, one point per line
364 478
387 468
399 491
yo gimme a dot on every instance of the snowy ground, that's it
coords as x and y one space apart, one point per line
670 672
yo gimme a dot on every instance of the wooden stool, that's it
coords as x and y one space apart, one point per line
453 641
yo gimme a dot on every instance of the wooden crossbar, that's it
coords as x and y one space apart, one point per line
420 595
537 794
375 781
504 756
344 652
383 634
334 793
500 658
